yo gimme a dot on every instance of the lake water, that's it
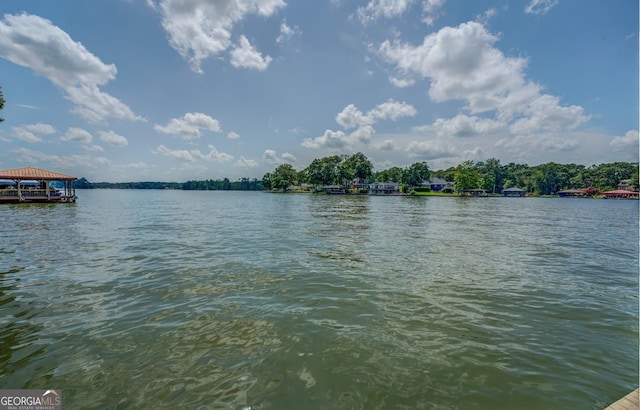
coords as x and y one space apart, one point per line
238 300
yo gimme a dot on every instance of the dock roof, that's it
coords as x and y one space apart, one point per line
34 173
620 192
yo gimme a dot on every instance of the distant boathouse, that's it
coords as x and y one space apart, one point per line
31 184
514 192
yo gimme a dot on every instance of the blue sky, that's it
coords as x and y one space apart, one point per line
174 90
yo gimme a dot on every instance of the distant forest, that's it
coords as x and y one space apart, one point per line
491 175
243 184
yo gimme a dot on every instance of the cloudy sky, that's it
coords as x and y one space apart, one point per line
173 90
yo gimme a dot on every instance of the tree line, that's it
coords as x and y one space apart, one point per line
490 175
243 184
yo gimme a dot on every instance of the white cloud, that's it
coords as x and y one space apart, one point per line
338 140
540 6
272 157
351 117
362 134
40 128
181 154
189 126
376 9
556 144
391 110
524 144
33 132
246 163
34 42
137 165
430 149
386 145
486 16
289 158
193 155
330 139
382 8
95 106
466 126
245 56
112 138
213 155
401 82
61 162
546 115
101 161
463 64
628 142
431 9
286 32
25 135
93 148
77 135
476 153
233 136
199 29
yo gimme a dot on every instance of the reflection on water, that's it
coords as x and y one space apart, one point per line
134 299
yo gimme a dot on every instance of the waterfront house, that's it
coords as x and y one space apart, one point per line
359 185
384 188
514 192
625 185
31 184
437 184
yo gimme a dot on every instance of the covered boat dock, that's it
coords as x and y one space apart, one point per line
620 194
31 184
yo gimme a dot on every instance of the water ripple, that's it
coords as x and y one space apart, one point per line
173 299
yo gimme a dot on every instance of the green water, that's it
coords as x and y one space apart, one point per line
238 300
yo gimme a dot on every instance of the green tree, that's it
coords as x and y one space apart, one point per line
393 174
82 183
313 173
360 166
416 174
466 176
323 171
266 180
518 175
283 177
633 181
1 103
549 178
546 180
345 170
492 175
